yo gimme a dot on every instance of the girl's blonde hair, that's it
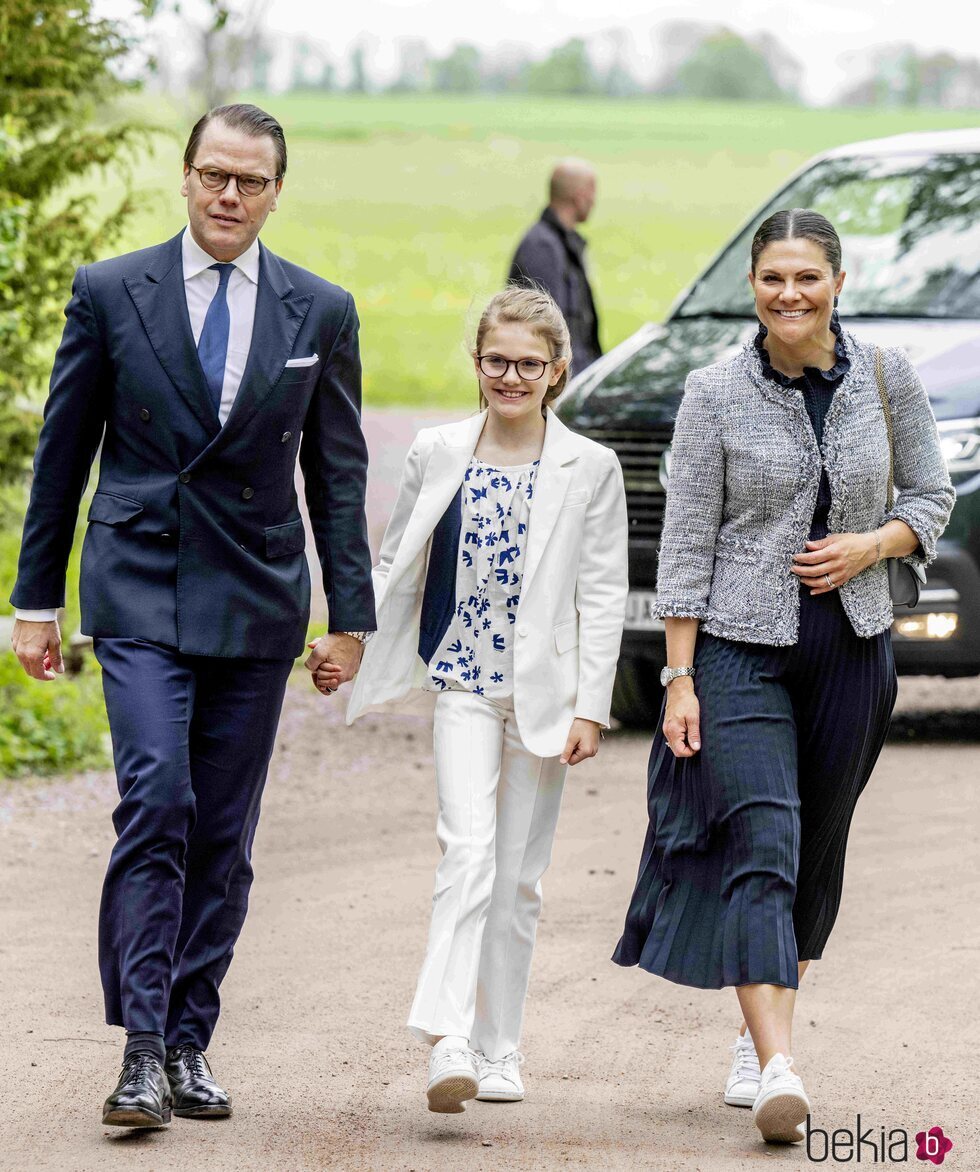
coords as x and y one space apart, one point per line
535 308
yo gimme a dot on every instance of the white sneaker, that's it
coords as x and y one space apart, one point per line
781 1104
453 1076
743 1080
500 1081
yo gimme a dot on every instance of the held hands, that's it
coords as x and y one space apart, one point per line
839 557
682 721
38 647
582 743
334 660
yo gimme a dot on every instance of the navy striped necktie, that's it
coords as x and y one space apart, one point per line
212 347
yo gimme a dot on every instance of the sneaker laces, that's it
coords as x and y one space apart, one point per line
784 1071
746 1062
458 1056
498 1066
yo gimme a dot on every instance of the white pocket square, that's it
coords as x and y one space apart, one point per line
303 361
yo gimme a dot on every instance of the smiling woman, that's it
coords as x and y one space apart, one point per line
773 593
797 277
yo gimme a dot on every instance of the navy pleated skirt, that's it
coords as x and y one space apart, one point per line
743 863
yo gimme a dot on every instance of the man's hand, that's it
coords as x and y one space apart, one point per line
334 660
38 647
582 743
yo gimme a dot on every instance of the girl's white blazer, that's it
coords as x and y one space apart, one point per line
573 597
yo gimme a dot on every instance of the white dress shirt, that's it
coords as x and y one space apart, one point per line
200 286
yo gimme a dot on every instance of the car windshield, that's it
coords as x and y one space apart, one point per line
910 230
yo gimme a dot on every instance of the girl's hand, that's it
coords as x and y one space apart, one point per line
582 743
682 721
839 557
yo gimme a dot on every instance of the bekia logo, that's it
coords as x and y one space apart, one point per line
932 1145
874 1146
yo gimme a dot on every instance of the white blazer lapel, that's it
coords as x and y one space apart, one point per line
442 477
550 486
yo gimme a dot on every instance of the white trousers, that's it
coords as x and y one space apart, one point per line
498 809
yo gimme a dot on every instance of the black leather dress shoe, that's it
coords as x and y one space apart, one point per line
195 1093
142 1095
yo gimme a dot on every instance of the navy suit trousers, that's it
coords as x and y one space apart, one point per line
192 737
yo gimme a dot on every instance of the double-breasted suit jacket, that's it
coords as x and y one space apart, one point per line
194 536
573 597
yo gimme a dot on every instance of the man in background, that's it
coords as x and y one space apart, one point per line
552 255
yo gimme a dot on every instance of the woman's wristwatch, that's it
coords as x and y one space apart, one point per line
671 673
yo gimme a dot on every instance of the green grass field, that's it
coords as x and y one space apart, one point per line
415 204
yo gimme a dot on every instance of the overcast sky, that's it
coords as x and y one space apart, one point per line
819 32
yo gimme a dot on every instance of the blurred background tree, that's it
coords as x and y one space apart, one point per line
566 70
903 76
231 47
57 76
459 72
725 66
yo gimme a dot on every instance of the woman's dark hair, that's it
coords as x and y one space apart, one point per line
241 116
798 224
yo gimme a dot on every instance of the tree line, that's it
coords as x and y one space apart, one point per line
694 61
682 58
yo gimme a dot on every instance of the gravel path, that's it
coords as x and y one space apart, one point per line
623 1071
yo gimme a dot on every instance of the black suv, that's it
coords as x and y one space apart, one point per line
908 212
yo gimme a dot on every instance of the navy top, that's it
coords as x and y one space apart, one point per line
817 387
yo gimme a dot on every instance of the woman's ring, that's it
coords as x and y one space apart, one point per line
830 581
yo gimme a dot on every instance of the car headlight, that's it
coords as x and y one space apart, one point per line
664 469
959 440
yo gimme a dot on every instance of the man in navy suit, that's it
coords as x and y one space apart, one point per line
203 367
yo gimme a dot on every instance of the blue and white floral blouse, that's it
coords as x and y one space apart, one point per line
477 653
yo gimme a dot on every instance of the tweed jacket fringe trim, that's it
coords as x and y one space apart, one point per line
745 470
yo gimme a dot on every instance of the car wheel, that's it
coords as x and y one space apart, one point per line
637 695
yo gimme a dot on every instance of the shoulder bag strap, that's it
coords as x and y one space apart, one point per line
886 408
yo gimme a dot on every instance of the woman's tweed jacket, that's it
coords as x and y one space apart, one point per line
744 473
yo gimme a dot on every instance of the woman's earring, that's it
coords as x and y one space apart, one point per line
836 301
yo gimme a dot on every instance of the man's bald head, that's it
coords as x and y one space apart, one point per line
572 190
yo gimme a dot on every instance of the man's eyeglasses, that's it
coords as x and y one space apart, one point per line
496 366
248 185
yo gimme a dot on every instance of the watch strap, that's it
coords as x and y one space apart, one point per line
669 674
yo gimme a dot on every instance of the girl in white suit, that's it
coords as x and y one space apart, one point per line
502 586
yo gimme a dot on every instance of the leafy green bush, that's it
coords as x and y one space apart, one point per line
50 727
13 506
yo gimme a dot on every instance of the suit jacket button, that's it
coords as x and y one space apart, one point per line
165 537
144 415
247 494
522 631
286 437
184 478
